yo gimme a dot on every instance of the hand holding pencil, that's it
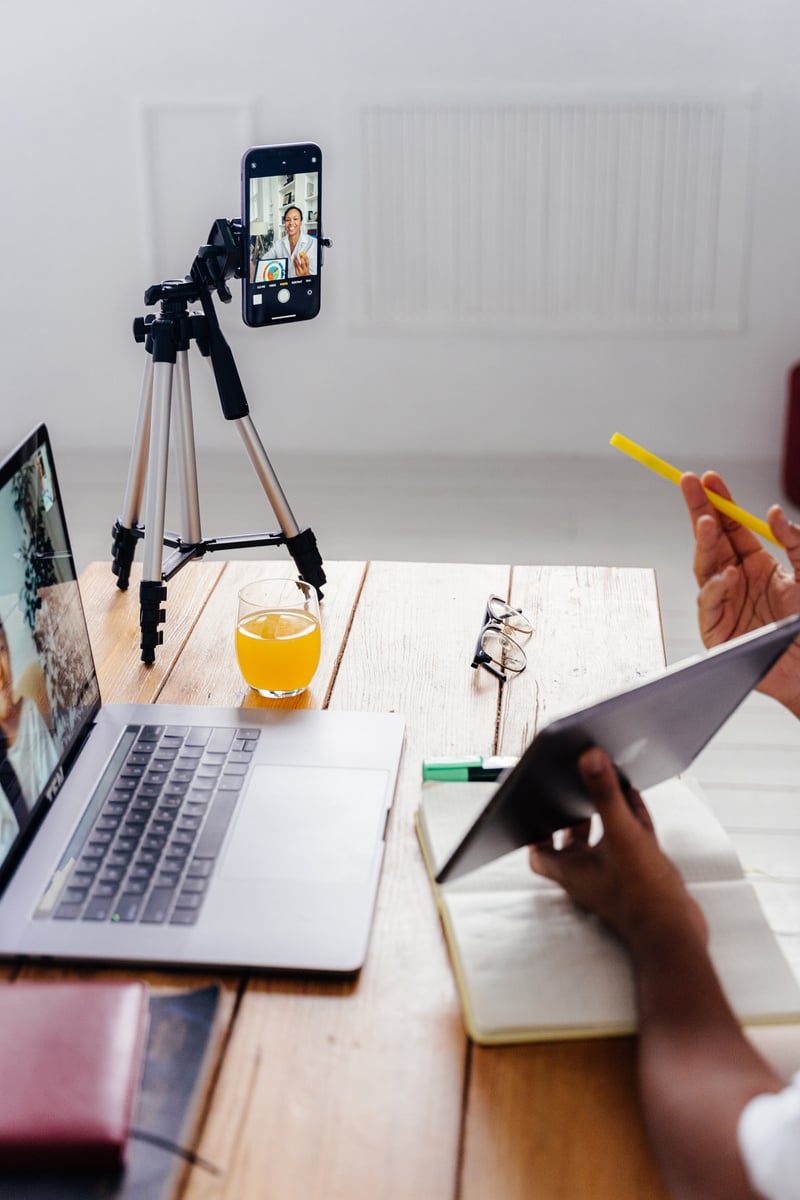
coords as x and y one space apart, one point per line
742 586
723 503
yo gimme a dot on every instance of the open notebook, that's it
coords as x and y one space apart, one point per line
530 966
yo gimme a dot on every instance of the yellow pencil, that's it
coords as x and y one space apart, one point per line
674 476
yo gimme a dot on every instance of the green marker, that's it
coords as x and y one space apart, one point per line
471 769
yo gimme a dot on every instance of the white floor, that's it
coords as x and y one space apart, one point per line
449 509
556 510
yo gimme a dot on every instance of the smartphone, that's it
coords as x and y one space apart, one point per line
282 231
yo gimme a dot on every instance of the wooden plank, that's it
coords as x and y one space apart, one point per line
596 630
566 1115
352 1090
208 673
113 620
560 1119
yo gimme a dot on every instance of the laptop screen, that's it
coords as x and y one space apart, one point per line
48 686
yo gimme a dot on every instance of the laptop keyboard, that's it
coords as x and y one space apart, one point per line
150 852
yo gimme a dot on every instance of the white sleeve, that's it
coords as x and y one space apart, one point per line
8 825
769 1142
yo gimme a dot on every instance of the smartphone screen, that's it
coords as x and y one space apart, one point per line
282 223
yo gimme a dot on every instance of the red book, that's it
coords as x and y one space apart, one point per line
71 1058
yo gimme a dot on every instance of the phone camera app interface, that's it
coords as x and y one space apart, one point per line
284 229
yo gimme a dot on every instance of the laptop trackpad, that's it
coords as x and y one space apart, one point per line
316 823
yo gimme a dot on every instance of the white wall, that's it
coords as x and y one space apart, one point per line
107 189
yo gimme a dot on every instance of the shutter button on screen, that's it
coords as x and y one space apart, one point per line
283 295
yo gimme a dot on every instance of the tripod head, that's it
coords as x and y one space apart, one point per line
219 260
222 258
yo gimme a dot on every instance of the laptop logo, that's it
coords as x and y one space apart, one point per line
54 786
632 752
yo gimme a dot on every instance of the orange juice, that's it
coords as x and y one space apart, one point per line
278 651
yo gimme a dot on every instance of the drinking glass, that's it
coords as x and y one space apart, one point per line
278 636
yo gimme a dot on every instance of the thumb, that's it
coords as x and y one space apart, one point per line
788 534
605 790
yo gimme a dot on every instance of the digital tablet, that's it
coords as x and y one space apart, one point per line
651 732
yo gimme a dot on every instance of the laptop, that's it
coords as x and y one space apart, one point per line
167 834
651 732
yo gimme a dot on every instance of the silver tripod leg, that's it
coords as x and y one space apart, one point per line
127 530
268 478
152 589
186 453
157 461
137 468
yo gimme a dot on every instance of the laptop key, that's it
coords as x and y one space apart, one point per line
175 791
97 909
220 741
182 837
187 823
189 755
193 808
231 783
119 858
215 828
184 916
75 895
158 906
139 759
136 887
127 907
167 879
236 768
142 870
104 890
177 855
200 868
197 736
194 884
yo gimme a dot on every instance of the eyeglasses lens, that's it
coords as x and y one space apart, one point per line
502 650
510 617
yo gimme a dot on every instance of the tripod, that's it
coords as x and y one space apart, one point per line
167 338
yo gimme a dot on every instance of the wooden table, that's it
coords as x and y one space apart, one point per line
370 1088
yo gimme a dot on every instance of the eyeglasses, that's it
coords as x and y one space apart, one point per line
495 649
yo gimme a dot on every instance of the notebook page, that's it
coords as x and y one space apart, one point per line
531 966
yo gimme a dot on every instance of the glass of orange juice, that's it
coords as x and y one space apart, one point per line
278 636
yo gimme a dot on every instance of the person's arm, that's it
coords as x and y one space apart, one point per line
305 259
742 586
697 1070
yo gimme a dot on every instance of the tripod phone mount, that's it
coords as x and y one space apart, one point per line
167 337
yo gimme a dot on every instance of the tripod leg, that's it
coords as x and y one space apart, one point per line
124 541
301 544
152 590
186 453
267 476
